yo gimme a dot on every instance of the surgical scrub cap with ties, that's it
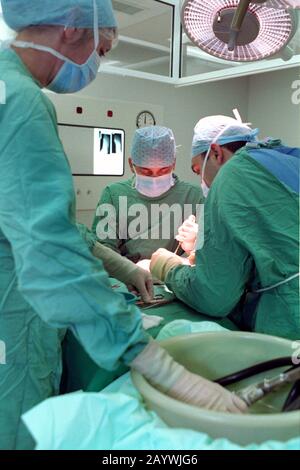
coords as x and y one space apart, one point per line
19 14
222 130
153 146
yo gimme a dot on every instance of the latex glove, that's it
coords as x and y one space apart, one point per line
144 264
162 261
157 366
141 281
187 234
126 271
192 258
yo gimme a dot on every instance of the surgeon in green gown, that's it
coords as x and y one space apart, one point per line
137 226
49 280
247 260
136 278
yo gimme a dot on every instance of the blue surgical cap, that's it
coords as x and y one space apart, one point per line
221 130
153 147
19 14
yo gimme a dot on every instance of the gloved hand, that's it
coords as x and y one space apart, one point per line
141 281
192 258
157 366
144 264
162 261
187 234
123 269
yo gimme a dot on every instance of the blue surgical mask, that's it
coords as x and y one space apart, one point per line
154 186
71 77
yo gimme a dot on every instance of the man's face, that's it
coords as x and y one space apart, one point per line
81 50
105 44
210 169
153 172
213 164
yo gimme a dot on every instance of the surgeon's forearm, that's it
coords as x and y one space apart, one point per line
112 241
112 245
56 274
116 265
184 282
180 281
162 262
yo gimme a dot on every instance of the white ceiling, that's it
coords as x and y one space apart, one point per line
145 29
150 22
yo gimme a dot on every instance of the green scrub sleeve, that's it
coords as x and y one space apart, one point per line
217 281
112 241
88 236
57 275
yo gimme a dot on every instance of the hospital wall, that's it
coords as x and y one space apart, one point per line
274 104
180 108
266 100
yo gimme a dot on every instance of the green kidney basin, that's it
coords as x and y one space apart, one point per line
214 355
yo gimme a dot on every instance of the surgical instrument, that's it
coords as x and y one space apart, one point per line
253 370
255 392
158 301
292 400
177 249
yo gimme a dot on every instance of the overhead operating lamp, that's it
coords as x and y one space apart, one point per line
239 30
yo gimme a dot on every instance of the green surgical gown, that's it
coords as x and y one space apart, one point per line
88 236
251 236
155 229
48 278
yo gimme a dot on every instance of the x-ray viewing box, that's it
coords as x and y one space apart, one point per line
94 151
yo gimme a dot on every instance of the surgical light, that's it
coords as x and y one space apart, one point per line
240 31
